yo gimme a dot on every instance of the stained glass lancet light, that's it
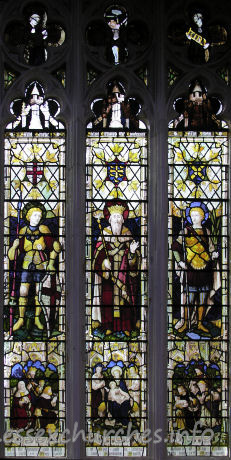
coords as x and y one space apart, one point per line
198 278
34 276
116 276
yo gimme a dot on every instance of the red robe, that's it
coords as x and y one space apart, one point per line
118 289
21 415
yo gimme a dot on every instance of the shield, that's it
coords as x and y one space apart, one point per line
116 172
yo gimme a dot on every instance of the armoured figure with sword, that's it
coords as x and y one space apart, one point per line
196 259
35 243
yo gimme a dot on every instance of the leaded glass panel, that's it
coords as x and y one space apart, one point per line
198 284
116 276
34 276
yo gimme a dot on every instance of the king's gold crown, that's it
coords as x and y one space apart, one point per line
117 208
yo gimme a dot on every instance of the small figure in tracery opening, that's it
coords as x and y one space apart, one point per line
197 111
116 39
199 41
35 52
34 34
116 18
203 42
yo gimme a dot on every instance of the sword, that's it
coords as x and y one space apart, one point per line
185 260
44 308
13 294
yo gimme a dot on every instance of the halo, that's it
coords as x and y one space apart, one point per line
116 12
33 204
116 368
196 204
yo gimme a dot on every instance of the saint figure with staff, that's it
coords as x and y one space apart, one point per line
116 265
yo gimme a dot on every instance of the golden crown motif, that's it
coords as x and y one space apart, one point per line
118 209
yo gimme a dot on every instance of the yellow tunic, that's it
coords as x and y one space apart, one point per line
196 254
34 247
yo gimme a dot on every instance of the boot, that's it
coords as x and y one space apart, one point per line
38 310
22 309
185 324
200 316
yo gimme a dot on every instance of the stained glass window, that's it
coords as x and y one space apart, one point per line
56 59
34 276
116 276
198 280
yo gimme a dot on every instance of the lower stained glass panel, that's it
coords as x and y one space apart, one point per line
198 398
116 397
34 393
